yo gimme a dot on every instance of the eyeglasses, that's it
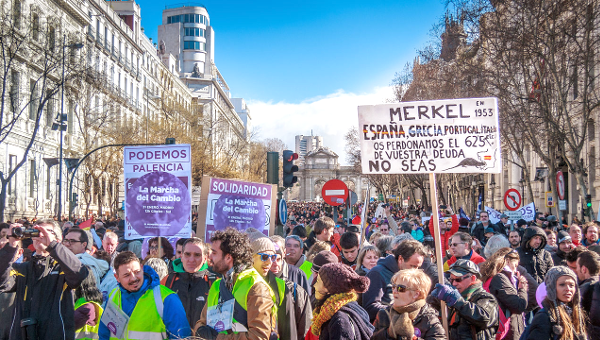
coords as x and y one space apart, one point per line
458 279
455 244
400 288
153 247
264 257
68 241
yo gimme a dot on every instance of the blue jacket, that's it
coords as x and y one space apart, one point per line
379 295
173 316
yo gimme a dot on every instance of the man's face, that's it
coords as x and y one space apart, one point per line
538 220
483 217
110 245
263 263
325 235
178 251
4 233
277 265
465 281
350 254
592 234
459 248
130 276
220 262
566 246
384 229
192 258
578 270
504 220
575 233
413 262
514 239
293 251
535 242
73 242
572 265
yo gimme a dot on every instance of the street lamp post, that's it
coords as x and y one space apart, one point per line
61 123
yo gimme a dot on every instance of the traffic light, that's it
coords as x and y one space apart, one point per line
289 168
170 140
273 167
588 201
75 200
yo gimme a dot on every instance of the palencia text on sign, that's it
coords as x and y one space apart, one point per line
441 136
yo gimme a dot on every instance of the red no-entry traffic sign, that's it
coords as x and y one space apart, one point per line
335 192
560 185
512 199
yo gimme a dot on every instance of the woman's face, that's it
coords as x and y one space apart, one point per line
512 264
551 239
370 260
320 290
402 296
565 289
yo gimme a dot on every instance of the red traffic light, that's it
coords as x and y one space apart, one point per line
290 156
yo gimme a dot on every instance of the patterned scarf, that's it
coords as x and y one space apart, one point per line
466 294
330 307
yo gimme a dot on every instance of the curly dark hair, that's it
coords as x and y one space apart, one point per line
236 244
168 251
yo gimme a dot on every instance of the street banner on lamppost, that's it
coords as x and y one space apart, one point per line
158 191
238 204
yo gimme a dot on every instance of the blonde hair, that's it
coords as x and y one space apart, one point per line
415 279
363 253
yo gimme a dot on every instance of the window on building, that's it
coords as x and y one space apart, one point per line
48 184
33 105
194 45
35 26
14 91
16 12
32 177
12 163
51 38
194 32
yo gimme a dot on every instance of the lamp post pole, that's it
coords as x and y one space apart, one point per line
60 152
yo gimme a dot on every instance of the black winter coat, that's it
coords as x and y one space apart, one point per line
558 258
479 231
427 322
294 274
379 294
351 322
49 282
512 302
477 315
541 328
538 261
590 302
192 289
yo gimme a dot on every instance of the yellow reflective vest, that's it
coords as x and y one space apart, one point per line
87 331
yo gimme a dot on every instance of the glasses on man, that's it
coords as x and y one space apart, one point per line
265 257
68 242
456 244
458 279
400 288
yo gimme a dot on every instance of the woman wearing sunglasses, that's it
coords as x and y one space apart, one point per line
500 274
409 316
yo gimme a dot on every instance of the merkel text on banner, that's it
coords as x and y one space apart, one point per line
439 136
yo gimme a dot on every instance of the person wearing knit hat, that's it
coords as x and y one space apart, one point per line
562 316
337 314
292 301
564 246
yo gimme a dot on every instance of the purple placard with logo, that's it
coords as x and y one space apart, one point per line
238 204
157 191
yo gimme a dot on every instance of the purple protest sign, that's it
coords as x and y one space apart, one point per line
157 191
238 204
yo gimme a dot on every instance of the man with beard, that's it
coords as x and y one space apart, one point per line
514 237
153 310
253 313
590 231
536 260
565 245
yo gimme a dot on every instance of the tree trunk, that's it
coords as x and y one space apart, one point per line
3 184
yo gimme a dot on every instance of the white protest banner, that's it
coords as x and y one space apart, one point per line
438 136
527 213
158 198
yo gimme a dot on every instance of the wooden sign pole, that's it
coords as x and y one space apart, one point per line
363 215
438 244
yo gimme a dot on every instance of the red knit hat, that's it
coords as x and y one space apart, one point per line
340 278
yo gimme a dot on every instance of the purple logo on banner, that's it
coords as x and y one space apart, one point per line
158 204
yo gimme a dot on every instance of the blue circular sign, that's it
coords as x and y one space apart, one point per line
283 215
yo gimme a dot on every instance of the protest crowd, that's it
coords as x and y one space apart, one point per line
325 277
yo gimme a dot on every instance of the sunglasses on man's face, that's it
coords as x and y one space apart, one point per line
265 257
400 288
458 279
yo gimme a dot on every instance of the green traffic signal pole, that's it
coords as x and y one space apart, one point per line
71 205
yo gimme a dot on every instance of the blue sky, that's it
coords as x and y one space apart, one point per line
290 55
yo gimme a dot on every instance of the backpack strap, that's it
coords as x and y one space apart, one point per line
170 280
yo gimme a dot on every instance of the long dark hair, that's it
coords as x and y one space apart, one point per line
496 263
88 289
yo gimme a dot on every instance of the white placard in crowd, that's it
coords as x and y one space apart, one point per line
438 136
527 213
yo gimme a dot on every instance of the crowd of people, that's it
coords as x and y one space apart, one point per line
322 279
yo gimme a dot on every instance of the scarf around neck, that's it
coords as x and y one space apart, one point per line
333 304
